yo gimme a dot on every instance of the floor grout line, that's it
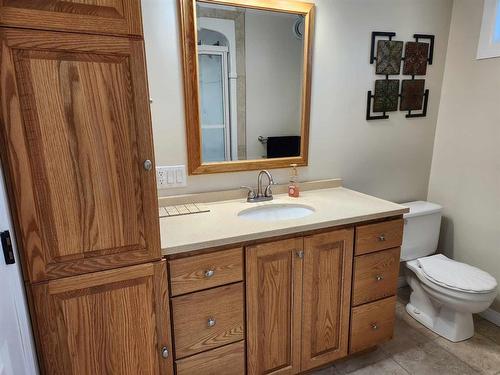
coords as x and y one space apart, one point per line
400 365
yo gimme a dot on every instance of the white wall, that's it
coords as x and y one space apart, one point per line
465 175
390 159
273 78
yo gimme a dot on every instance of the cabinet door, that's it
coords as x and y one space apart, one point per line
95 16
274 299
109 322
75 131
327 293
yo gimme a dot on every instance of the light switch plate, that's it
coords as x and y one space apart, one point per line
171 176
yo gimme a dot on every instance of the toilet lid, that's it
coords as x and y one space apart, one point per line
455 275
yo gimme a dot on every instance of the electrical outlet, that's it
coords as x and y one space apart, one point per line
171 176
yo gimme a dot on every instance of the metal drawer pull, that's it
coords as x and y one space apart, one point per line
374 326
211 322
300 254
209 273
164 352
379 277
381 237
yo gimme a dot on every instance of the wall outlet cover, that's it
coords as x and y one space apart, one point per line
171 176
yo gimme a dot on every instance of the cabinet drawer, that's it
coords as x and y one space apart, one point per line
378 236
208 319
372 324
228 360
375 276
205 271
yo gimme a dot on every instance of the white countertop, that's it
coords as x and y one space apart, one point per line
223 226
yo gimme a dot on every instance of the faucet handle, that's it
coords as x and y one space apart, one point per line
251 192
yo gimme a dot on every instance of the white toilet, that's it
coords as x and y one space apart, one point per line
445 293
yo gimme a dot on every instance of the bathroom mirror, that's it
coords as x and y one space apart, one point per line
247 68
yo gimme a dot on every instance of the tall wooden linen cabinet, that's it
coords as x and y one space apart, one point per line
77 151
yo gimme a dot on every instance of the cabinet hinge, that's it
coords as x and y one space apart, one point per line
8 251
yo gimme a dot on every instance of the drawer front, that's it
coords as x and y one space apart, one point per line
228 360
372 324
375 276
378 236
205 271
208 319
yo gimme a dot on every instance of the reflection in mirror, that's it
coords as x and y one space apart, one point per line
250 76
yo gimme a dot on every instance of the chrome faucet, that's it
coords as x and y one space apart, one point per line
262 194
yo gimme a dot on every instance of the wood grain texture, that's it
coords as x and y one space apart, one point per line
191 94
190 314
189 274
106 325
274 307
372 324
75 129
375 276
326 297
379 236
113 17
227 360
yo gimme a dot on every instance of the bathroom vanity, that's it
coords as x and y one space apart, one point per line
259 296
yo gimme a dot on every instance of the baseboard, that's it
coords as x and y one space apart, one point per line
492 316
402 282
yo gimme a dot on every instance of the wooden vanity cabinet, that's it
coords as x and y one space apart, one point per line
274 273
77 151
298 302
109 322
310 300
76 131
326 297
376 270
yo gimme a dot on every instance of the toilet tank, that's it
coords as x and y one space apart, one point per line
421 230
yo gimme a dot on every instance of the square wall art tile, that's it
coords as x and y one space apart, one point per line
389 55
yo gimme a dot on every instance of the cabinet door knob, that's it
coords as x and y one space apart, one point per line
374 326
148 165
209 273
379 277
211 322
381 237
300 254
164 352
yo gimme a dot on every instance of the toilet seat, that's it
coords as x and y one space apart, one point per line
454 275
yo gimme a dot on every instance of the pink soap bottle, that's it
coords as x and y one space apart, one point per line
293 188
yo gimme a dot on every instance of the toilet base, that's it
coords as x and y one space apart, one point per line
433 314
451 325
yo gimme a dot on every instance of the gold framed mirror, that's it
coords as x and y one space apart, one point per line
247 83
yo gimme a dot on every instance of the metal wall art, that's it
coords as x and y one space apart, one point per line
388 55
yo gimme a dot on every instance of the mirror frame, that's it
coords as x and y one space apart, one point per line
189 50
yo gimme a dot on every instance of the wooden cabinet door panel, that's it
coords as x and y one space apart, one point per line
326 296
109 322
121 17
76 129
274 299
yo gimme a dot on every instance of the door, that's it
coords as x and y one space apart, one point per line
77 148
326 296
17 353
96 16
274 299
109 322
214 100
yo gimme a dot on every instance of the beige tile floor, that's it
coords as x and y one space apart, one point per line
417 350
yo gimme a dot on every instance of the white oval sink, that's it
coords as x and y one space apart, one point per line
278 211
